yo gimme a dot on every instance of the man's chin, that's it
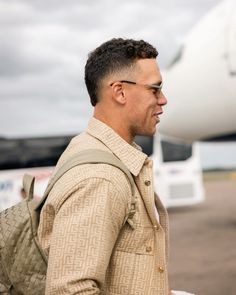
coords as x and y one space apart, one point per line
147 132
152 131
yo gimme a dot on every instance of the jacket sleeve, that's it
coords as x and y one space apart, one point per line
85 230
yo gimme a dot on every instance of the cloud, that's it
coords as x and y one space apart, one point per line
44 47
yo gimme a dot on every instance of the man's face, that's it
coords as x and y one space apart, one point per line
144 103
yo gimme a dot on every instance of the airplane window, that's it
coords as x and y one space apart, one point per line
177 57
175 151
231 42
232 56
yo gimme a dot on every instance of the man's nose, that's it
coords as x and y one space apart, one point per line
162 100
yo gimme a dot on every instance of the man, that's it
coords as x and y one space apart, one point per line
91 248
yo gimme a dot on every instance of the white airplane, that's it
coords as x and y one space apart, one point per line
200 84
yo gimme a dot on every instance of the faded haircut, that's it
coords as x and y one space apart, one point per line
112 57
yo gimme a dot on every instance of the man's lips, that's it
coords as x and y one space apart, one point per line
157 114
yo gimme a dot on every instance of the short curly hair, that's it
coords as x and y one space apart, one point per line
111 57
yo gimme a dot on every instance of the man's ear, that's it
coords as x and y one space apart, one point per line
118 93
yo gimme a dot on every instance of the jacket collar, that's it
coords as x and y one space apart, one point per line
131 155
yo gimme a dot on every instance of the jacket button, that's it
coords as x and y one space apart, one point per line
161 269
147 182
148 249
156 227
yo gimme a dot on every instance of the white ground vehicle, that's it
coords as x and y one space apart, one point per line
177 172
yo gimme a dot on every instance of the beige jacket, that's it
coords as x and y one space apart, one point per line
81 227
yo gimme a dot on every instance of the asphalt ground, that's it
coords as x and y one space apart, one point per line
203 240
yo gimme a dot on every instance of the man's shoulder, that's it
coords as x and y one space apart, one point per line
105 172
84 178
88 174
81 142
89 171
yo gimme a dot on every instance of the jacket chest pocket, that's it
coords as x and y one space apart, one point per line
139 240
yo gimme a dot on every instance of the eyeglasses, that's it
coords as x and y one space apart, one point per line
156 88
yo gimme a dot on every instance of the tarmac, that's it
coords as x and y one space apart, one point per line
203 240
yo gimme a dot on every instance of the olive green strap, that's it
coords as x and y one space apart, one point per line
28 185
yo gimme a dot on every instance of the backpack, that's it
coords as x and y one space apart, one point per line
23 264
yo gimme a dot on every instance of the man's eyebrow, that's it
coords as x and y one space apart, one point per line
157 83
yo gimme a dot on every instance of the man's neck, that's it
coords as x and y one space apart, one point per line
116 125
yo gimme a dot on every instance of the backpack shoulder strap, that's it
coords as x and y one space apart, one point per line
28 185
92 156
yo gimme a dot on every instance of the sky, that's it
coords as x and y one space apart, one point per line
44 47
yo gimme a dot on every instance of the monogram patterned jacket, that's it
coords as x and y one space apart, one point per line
90 247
